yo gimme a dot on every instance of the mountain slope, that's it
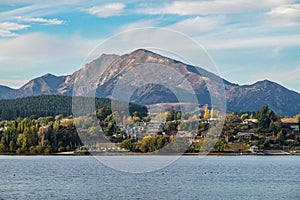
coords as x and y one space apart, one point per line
87 78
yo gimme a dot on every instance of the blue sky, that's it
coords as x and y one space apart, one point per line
249 40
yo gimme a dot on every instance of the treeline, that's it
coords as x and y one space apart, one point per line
52 105
41 135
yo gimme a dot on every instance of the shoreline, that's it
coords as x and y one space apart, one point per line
87 153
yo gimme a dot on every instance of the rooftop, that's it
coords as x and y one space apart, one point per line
291 120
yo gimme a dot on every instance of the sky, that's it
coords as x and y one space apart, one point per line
248 40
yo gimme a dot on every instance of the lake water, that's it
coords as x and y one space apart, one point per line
190 177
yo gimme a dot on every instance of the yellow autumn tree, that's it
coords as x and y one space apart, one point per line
212 113
206 113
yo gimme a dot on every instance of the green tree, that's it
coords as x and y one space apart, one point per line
136 117
12 146
207 144
265 117
272 127
153 143
145 144
221 144
129 144
280 137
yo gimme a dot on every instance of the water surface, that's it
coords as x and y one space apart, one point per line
190 177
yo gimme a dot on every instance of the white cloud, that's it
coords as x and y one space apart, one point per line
197 25
285 14
108 10
6 33
138 24
213 7
6 28
35 8
54 21
31 55
10 26
251 42
40 46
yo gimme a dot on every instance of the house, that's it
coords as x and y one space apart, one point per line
253 149
291 123
250 121
155 126
245 136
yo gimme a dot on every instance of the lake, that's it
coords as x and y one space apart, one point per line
190 177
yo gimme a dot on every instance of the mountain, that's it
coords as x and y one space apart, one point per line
108 75
6 92
252 97
238 98
156 69
47 84
50 84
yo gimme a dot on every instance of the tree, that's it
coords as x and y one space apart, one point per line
213 113
145 144
244 116
265 117
206 113
12 146
280 137
2 148
21 141
136 117
207 144
129 144
221 144
272 127
153 143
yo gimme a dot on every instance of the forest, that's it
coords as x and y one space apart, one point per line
51 105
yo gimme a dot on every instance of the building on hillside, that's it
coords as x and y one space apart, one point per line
155 126
245 136
250 121
291 123
253 149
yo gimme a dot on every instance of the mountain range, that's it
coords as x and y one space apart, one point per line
100 76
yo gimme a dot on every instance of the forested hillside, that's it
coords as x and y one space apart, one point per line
50 105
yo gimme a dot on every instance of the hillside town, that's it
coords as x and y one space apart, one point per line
170 131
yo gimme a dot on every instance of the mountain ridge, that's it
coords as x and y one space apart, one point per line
88 82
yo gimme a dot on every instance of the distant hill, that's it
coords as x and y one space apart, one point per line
89 81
